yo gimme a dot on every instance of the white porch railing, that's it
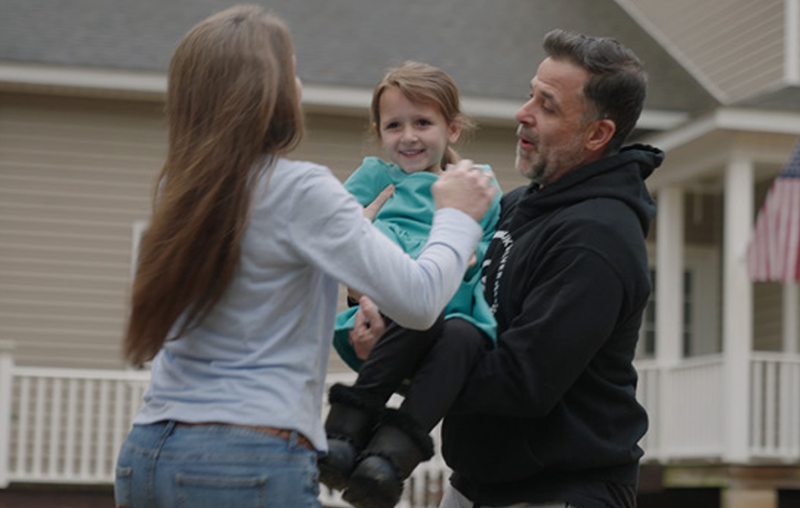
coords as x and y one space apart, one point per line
685 405
775 407
64 426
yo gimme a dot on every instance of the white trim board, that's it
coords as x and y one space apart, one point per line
731 119
316 98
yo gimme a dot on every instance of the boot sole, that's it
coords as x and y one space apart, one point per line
372 489
365 494
335 468
332 477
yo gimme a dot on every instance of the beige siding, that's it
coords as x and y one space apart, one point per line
736 46
767 316
75 174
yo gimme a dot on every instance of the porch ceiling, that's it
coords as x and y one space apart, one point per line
700 149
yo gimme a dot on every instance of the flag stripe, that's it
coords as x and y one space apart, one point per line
774 251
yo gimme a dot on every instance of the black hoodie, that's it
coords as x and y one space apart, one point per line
551 413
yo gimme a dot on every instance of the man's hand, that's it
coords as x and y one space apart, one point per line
372 209
369 326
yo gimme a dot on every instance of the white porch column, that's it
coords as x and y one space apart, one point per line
669 276
6 366
791 304
737 307
669 308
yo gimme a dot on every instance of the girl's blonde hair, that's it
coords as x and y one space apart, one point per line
423 83
232 106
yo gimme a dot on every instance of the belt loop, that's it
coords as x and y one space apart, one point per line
168 428
293 439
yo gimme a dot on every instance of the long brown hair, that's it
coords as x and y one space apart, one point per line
232 106
423 83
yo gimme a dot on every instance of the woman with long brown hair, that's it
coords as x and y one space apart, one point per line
236 288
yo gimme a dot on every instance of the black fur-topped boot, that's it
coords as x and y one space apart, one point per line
349 427
397 447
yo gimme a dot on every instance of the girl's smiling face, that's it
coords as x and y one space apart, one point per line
414 135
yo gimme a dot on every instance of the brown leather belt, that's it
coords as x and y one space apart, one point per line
284 434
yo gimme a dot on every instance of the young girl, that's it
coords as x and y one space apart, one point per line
236 289
415 113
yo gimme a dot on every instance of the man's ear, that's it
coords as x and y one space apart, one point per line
599 134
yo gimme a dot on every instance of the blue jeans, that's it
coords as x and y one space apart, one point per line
164 465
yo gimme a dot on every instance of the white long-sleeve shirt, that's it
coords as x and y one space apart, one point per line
261 356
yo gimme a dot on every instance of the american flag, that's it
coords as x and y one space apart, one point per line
775 248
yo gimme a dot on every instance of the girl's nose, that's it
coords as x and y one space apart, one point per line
409 135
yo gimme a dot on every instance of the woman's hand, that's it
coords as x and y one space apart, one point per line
369 326
465 187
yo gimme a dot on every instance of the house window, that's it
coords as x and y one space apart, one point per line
139 227
647 337
688 309
700 334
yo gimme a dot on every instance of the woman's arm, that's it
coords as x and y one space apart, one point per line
329 230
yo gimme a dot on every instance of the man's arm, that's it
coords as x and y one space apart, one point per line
570 310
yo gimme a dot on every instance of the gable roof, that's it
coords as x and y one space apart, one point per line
490 48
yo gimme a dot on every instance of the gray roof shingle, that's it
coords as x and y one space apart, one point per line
491 48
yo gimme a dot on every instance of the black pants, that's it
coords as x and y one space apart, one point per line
436 361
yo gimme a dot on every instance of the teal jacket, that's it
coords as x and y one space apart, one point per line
406 219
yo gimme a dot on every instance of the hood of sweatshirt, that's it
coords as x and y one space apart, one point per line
620 176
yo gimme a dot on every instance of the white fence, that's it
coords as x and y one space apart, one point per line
685 404
775 407
64 426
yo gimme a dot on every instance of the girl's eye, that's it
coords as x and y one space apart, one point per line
392 125
423 121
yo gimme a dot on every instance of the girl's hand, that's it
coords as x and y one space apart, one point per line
373 208
368 328
370 211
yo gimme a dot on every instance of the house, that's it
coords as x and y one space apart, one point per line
724 392
82 137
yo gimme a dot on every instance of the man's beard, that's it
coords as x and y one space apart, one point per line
543 170
531 166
